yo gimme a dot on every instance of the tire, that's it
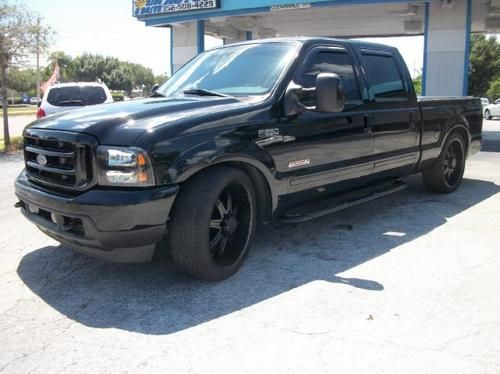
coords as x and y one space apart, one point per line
446 173
212 223
487 115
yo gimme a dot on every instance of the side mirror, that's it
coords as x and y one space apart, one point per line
155 88
39 103
330 94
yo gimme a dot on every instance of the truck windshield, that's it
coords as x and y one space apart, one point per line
243 70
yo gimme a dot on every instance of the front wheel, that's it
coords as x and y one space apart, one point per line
487 115
447 172
212 223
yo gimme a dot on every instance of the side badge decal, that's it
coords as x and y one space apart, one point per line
299 163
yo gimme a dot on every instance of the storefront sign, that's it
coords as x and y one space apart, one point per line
277 8
155 7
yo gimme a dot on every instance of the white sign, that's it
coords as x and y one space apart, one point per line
277 8
154 7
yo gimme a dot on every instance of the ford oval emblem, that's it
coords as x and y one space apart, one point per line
41 160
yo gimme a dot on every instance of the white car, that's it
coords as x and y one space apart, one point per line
70 96
492 110
485 102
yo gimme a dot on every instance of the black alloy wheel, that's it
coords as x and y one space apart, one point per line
212 223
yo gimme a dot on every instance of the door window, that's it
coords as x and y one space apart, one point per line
332 62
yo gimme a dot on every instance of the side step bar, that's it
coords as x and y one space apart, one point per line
335 204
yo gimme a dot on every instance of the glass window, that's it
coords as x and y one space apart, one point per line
332 62
244 70
76 96
95 95
384 78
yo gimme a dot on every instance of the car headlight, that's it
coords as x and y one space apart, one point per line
128 167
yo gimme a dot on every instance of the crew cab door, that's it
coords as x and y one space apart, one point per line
395 113
325 148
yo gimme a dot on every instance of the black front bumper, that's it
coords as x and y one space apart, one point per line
117 225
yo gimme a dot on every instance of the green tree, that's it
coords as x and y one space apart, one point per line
22 80
484 63
417 83
65 63
118 75
21 34
494 90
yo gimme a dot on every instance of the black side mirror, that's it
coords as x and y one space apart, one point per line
155 88
39 103
330 95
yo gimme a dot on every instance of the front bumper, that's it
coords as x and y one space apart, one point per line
116 225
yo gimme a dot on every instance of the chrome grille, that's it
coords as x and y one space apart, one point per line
57 163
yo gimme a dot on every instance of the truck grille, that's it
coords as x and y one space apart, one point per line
58 162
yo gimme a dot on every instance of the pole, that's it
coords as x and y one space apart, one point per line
5 105
38 59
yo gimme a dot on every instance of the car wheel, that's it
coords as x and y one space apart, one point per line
212 223
487 114
446 174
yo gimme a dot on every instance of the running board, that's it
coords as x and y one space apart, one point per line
335 204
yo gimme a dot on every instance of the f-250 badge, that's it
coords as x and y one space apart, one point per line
268 133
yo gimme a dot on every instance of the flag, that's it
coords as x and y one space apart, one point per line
54 78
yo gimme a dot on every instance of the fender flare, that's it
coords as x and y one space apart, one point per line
276 187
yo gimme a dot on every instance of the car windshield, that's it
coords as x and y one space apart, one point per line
76 96
243 70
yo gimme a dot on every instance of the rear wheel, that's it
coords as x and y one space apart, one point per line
446 174
487 114
212 223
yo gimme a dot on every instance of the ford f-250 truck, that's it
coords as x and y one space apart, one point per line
283 129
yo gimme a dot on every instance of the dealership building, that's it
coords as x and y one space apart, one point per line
445 24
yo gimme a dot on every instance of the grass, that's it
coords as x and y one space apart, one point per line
16 144
22 111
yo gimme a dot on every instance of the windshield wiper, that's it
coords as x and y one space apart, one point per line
202 92
70 103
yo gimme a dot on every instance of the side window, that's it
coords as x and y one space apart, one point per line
384 78
332 62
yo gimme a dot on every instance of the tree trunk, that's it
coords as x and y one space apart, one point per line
5 107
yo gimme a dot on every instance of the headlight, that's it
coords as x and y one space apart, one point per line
129 167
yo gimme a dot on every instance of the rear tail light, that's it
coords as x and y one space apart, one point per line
40 113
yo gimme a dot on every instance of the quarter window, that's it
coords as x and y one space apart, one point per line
384 78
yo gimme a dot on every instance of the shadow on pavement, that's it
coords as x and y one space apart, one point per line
155 299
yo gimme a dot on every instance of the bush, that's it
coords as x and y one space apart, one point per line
118 96
16 144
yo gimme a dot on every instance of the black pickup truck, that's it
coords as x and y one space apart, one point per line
276 130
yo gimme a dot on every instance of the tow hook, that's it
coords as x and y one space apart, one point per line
18 205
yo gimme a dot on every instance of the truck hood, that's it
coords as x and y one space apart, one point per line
122 123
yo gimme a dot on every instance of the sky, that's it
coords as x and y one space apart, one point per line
108 28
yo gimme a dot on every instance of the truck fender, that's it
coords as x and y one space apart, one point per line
205 156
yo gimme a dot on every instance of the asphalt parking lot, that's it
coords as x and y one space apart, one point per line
406 284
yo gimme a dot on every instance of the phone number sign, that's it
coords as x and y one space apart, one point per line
155 7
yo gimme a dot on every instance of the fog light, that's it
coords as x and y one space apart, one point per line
34 209
57 219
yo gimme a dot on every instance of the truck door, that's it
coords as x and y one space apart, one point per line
327 147
396 117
